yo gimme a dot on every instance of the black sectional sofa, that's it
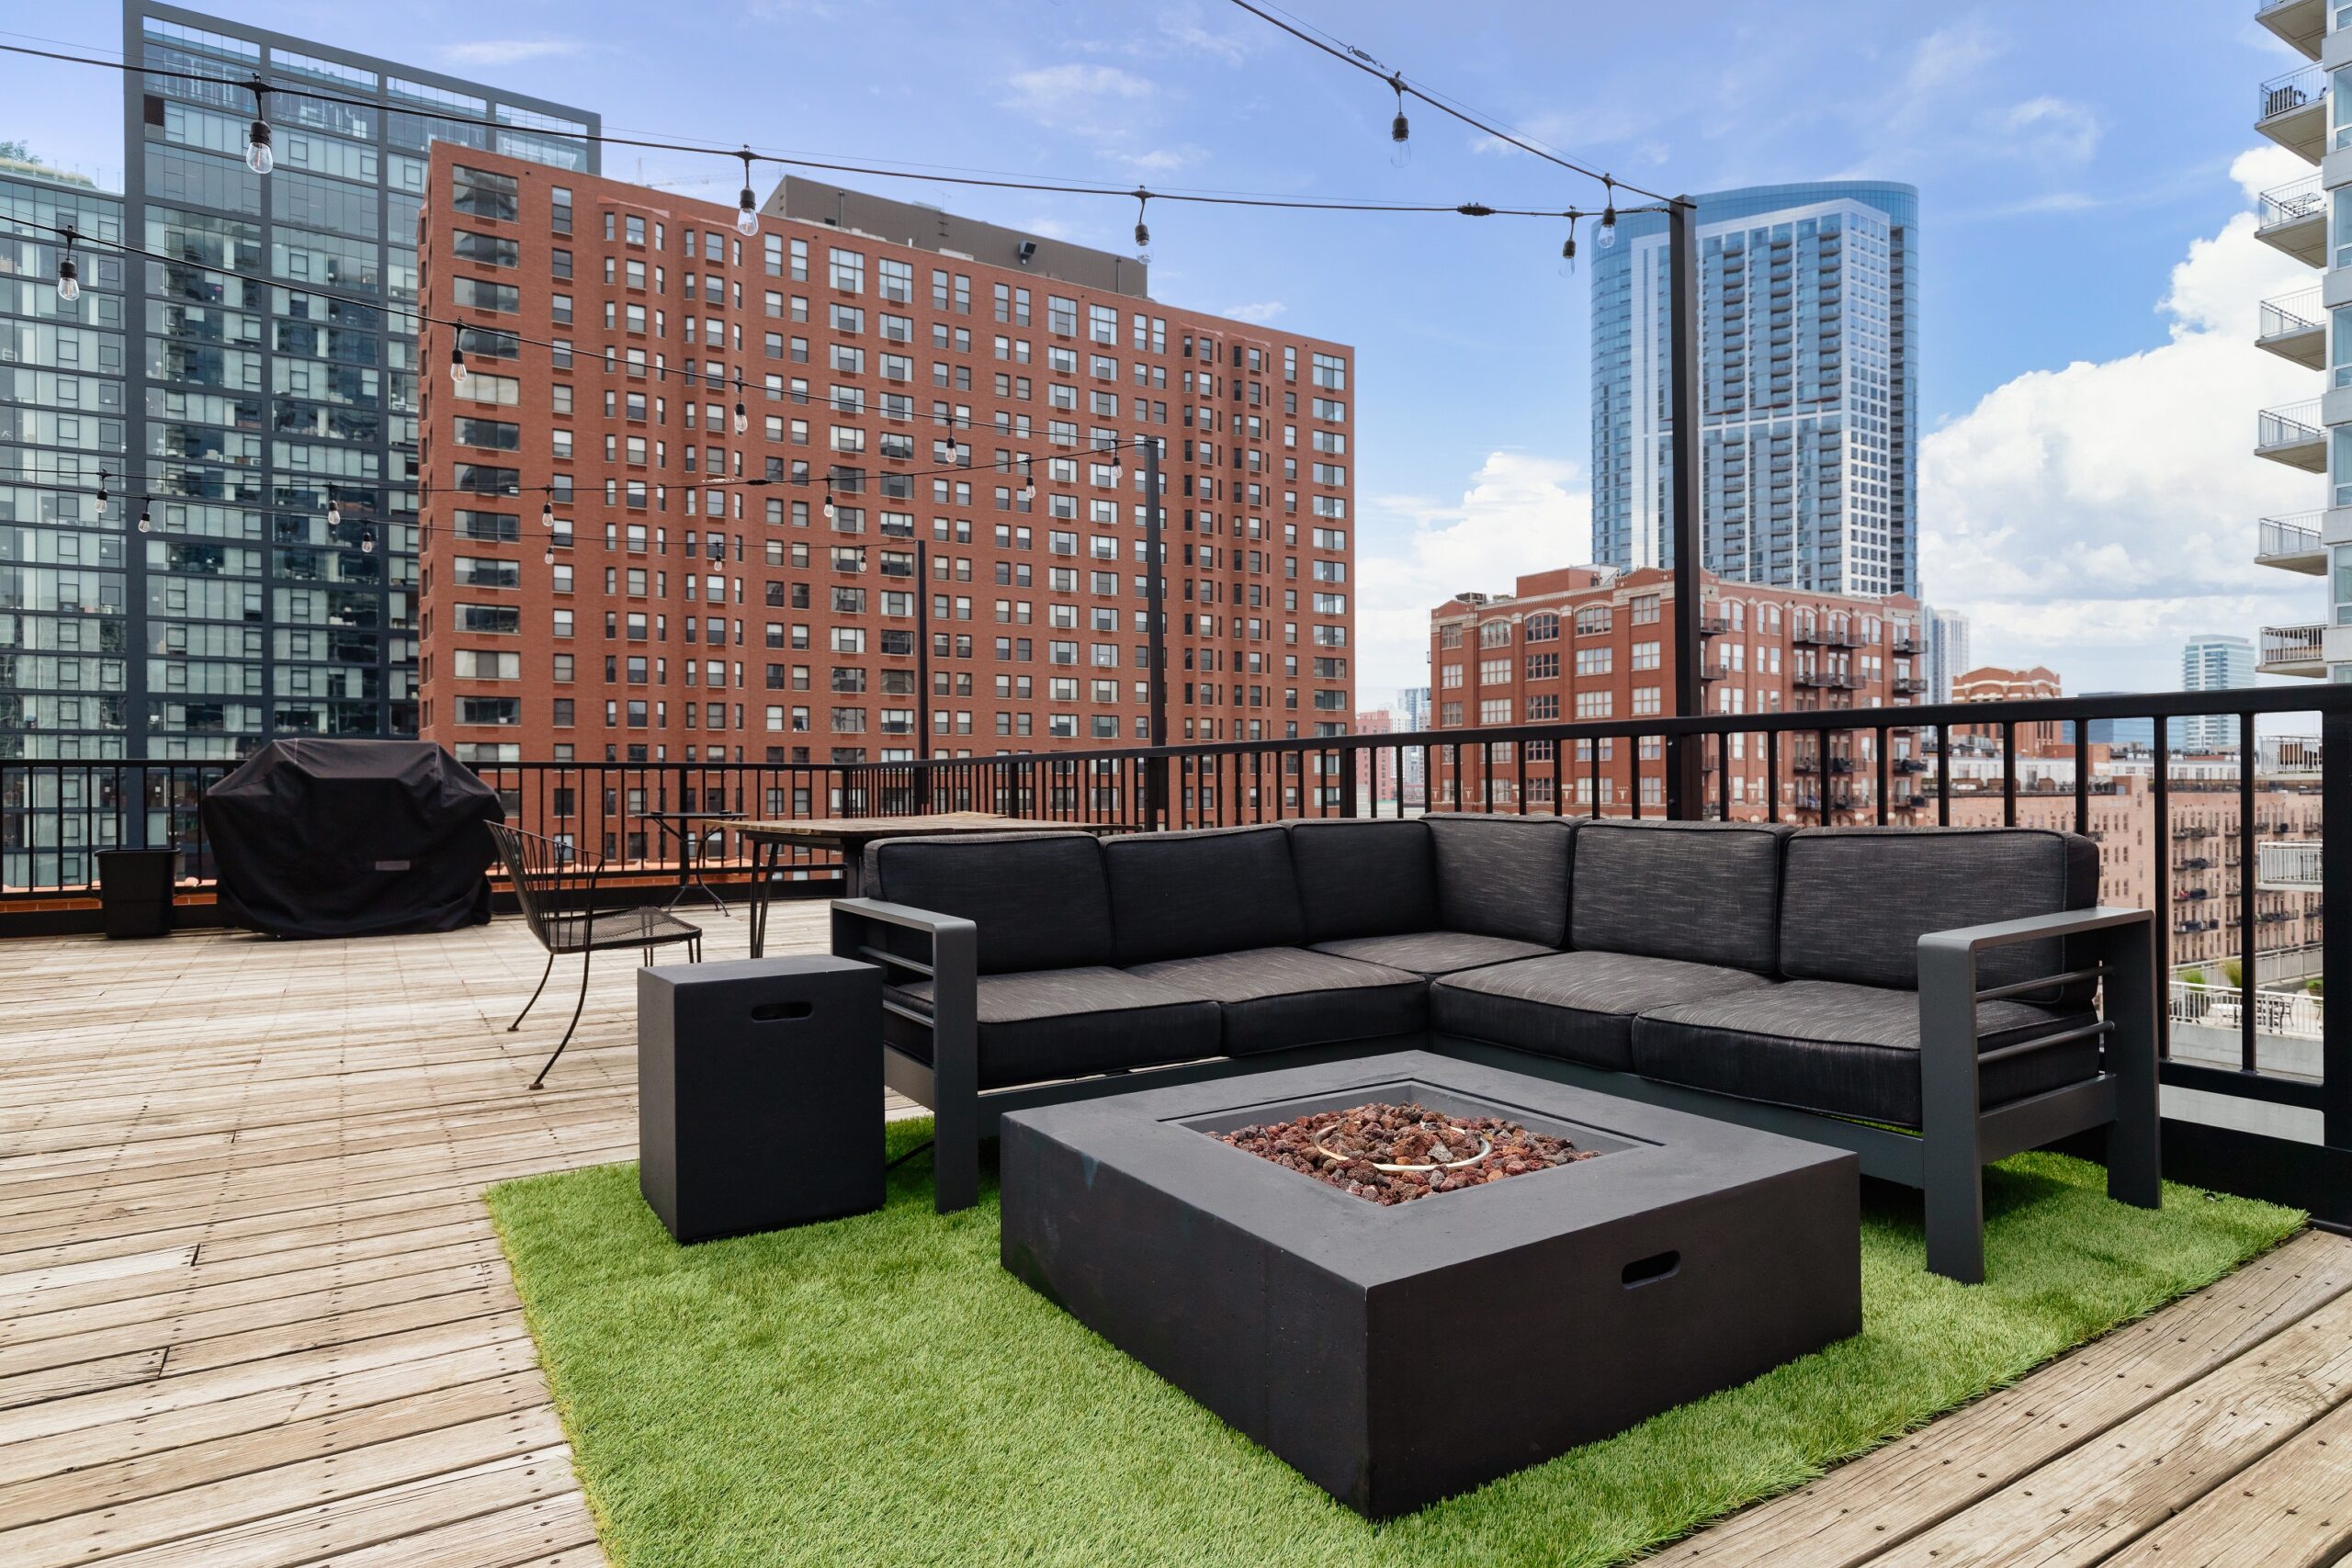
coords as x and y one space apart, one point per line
1933 999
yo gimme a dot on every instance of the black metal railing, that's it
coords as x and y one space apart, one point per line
1950 764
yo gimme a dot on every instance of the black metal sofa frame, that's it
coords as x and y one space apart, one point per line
1923 997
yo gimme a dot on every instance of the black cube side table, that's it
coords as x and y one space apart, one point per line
759 1087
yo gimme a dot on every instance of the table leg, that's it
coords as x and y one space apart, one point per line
764 856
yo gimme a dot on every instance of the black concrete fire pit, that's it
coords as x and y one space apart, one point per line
1684 1255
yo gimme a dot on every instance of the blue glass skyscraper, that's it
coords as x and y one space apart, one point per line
1810 297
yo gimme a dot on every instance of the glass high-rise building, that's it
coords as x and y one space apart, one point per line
1947 658
2214 663
251 405
1810 303
65 630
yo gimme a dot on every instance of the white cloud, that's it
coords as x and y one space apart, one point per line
1163 159
1951 56
1262 312
1520 514
2046 129
2092 517
509 51
1080 96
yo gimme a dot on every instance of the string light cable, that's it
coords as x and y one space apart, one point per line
1350 55
748 155
853 481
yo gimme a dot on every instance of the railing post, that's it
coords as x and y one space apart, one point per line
1686 786
2335 941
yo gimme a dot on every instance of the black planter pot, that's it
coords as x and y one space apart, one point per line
135 891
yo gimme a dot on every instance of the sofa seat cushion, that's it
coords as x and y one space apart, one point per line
1068 1024
1275 997
1845 1050
1576 1005
1433 953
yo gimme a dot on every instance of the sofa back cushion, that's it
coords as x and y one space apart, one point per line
1213 890
1855 900
1703 892
1363 878
1041 900
1504 876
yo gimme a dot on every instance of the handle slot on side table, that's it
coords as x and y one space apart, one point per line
1657 1266
775 1012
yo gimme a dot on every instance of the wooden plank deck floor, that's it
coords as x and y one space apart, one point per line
251 1311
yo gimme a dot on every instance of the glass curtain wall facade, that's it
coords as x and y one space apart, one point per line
255 405
64 631
1810 299
2214 663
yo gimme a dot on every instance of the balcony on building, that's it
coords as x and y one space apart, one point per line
2292 543
2292 111
2294 326
2288 866
2291 434
2293 650
2292 218
2301 25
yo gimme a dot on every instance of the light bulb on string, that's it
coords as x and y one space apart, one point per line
546 516
146 515
1400 134
548 557
69 271
259 157
1608 215
747 206
456 367
742 419
368 541
1143 229
1028 480
102 487
1568 251
829 501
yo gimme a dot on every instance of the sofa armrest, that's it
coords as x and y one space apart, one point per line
949 946
2034 927
2122 949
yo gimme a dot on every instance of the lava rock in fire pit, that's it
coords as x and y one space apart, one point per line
1443 1154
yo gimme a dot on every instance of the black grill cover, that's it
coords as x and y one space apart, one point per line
352 838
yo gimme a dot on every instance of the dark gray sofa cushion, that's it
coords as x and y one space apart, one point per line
1855 901
1433 953
1702 892
1275 997
1041 900
1845 1050
1503 877
1068 1024
1216 890
1363 878
1576 1005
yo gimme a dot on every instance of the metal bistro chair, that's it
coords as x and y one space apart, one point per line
539 866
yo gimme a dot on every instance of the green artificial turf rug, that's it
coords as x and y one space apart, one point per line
877 1391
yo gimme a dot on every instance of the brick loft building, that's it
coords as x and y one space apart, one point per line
1591 644
695 601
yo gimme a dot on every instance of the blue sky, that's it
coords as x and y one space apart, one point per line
2090 280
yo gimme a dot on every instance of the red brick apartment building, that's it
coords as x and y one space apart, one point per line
695 600
1590 643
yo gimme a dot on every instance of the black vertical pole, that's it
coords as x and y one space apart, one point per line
923 677
1155 613
2336 949
1685 781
